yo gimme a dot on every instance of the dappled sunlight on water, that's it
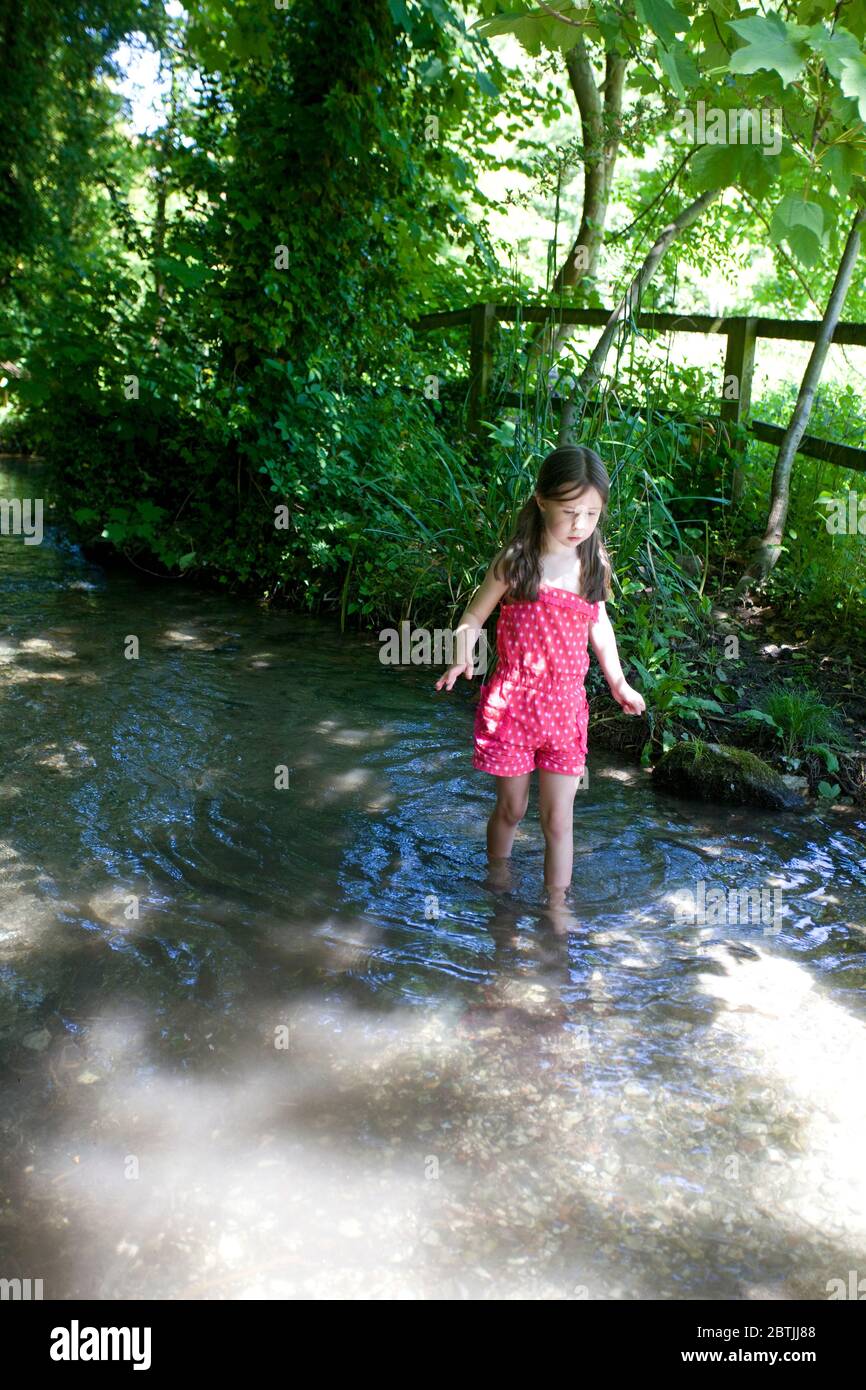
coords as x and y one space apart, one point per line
306 1042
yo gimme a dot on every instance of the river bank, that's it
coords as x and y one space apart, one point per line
715 682
815 748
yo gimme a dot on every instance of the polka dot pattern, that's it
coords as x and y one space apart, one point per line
534 712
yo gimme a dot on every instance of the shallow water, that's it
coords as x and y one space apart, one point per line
292 1043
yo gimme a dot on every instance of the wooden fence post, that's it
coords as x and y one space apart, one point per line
737 387
735 401
481 323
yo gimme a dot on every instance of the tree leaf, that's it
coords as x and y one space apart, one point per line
746 166
401 14
842 161
770 44
801 224
660 16
853 81
534 28
487 86
678 66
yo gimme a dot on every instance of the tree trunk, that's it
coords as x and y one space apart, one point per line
599 160
629 304
163 176
770 548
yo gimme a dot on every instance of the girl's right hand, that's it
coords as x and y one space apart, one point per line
452 673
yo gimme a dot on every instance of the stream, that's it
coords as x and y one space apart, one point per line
295 1041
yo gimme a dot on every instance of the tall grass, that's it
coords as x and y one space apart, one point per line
676 538
802 718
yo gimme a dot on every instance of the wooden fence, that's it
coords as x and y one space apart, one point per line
741 333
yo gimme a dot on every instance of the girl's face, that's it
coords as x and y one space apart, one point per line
569 521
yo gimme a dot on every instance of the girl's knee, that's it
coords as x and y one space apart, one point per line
511 809
557 822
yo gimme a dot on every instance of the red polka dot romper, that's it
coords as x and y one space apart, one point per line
534 711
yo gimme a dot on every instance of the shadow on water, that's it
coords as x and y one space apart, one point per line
299 1042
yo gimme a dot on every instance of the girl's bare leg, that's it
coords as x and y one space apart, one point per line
498 878
556 813
512 799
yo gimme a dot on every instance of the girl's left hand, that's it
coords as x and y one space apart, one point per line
631 701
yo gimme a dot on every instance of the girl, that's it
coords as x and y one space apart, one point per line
553 577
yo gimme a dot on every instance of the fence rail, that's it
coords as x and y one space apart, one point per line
741 332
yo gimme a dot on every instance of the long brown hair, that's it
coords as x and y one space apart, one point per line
569 469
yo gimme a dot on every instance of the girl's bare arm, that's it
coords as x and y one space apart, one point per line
603 641
478 610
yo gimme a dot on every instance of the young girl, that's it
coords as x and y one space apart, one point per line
553 577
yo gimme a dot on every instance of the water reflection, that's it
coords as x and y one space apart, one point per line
307 1042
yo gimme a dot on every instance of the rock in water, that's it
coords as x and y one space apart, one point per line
717 772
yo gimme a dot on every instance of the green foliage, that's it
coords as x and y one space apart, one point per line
219 324
819 573
801 718
251 267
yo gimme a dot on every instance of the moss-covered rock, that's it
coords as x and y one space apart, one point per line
717 772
